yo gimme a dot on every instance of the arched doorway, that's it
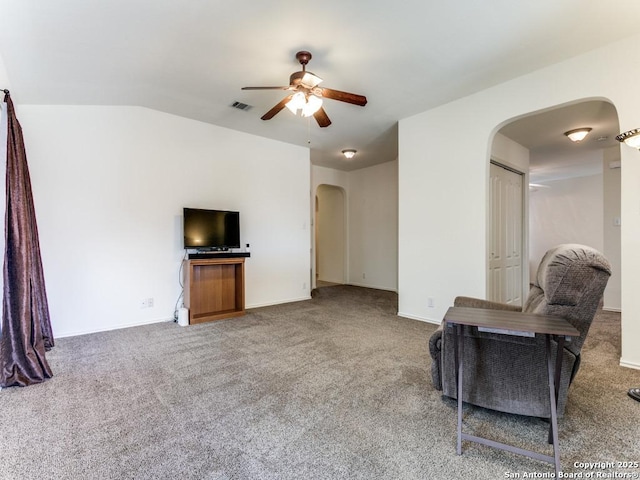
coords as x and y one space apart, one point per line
574 188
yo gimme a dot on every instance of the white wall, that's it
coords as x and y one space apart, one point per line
372 222
109 186
4 78
510 153
612 228
328 176
331 241
443 181
4 84
569 211
373 238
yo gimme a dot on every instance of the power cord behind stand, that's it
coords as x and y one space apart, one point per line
181 296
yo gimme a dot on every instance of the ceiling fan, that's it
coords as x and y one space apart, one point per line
307 96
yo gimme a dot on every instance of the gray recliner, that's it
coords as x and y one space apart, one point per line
507 372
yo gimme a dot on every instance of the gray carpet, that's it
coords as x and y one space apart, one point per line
332 388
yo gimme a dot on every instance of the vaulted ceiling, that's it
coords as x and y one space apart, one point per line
191 58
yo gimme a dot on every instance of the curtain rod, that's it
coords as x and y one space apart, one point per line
5 91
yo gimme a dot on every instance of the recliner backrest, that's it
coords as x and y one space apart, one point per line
570 283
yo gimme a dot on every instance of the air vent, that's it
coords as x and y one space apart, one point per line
241 106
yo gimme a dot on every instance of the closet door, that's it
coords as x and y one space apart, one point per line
506 235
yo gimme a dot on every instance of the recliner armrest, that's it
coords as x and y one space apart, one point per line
435 342
435 349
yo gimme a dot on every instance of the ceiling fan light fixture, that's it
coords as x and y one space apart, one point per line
578 134
349 153
296 103
312 106
631 138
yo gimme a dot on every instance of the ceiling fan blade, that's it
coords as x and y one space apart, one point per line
322 118
267 88
272 113
347 97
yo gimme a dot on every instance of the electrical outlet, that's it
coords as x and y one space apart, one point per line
364 275
430 302
146 303
304 285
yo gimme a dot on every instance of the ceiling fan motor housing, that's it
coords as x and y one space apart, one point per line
296 78
303 57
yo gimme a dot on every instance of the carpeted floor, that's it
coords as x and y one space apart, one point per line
332 388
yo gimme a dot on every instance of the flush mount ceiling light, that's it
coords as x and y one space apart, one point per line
349 153
578 134
631 138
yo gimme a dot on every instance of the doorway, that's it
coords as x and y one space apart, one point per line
574 187
330 235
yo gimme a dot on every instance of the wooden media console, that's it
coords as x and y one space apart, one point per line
214 288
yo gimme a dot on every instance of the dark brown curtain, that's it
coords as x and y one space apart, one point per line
26 326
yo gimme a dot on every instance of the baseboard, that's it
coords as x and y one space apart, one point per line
421 319
335 281
114 327
375 287
610 309
633 365
164 319
280 302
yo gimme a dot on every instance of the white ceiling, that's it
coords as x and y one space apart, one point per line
191 57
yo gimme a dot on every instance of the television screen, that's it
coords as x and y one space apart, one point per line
211 229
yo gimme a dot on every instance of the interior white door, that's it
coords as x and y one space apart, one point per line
505 235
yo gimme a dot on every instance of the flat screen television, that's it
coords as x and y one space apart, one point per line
211 229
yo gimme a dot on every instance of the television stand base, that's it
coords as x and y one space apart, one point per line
214 288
